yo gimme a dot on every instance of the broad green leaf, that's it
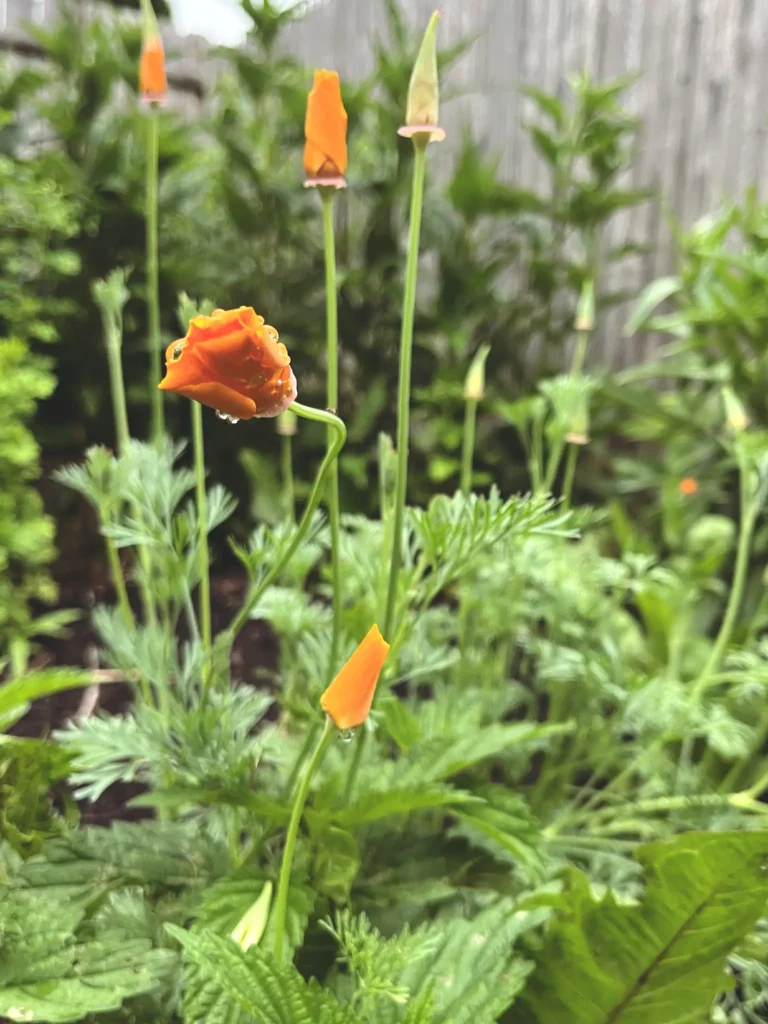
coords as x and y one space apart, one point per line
656 292
662 962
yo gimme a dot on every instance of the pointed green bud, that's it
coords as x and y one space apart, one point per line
735 413
585 313
423 90
474 383
251 927
148 20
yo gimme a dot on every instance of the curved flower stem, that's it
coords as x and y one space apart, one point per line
340 432
281 900
404 385
570 471
468 448
204 595
157 425
332 401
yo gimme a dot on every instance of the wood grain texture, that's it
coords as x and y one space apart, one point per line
701 97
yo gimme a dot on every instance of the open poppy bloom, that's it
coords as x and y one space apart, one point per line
153 81
233 362
348 699
325 129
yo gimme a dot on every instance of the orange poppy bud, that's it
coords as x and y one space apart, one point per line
325 128
348 699
153 81
688 486
233 362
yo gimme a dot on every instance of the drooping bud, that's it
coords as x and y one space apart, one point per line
251 926
735 412
153 81
422 109
474 382
585 312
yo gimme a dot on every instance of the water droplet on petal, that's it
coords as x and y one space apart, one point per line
345 735
234 419
221 415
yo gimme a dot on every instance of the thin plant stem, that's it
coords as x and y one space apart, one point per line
117 386
286 464
204 593
468 447
300 759
157 423
404 384
332 453
332 402
570 471
284 881
118 580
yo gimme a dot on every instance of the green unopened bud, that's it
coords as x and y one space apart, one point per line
111 295
422 109
249 930
585 313
287 421
474 382
578 431
735 413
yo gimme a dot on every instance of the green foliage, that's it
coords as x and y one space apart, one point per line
664 959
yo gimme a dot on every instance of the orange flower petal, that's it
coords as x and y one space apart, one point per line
348 699
153 81
220 397
325 128
688 486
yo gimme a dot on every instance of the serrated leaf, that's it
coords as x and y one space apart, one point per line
661 961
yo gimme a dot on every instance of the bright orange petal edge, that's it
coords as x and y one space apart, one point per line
348 699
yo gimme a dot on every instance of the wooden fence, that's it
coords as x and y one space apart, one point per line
701 97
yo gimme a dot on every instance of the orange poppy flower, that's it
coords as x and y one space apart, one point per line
325 129
688 486
153 81
348 699
233 362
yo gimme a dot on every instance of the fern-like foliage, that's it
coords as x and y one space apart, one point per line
224 984
661 961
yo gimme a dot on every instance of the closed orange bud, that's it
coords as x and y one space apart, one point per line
325 129
153 81
348 699
233 362
688 486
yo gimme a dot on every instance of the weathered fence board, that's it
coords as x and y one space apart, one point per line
700 97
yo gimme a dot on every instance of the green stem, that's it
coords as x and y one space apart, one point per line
332 402
570 470
734 600
118 580
281 900
340 436
286 462
117 387
404 384
157 424
468 448
204 595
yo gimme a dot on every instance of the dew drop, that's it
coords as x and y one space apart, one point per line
221 415
346 735
234 419
226 418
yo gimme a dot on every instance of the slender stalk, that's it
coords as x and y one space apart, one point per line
281 900
714 661
118 580
204 594
404 384
340 436
468 448
157 423
332 402
117 387
570 471
286 465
